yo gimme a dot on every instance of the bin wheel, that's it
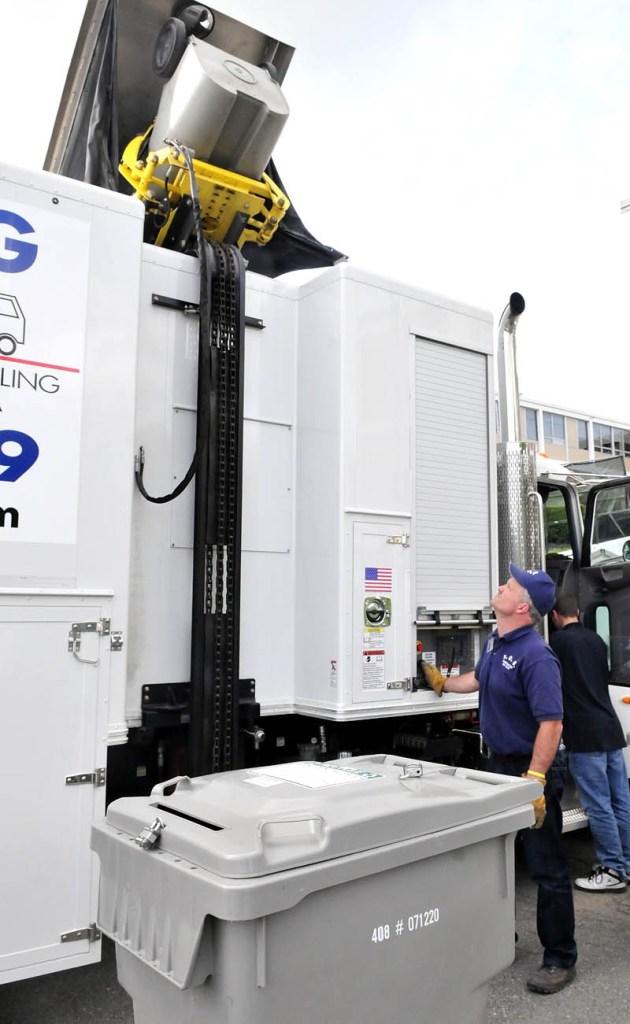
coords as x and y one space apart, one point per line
8 345
169 47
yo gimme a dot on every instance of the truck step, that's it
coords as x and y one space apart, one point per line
574 819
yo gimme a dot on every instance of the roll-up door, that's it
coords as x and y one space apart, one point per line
453 492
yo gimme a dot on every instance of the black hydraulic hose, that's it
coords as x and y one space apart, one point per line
204 342
451 663
163 498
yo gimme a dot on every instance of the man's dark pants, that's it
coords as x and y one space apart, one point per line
547 864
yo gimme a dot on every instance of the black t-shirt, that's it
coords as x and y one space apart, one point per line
590 722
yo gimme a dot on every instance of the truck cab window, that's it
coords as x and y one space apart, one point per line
558 538
601 625
610 535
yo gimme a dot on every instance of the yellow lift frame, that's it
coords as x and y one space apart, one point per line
161 180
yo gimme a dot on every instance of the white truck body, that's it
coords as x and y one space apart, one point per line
358 394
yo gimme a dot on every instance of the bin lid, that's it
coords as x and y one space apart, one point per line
256 821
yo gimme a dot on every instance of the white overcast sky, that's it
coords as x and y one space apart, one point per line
469 147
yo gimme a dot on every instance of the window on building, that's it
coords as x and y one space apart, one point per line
531 425
620 441
553 425
582 431
603 438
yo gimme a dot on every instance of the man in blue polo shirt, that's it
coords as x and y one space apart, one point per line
520 712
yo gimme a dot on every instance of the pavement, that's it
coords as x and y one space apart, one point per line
601 989
600 992
83 995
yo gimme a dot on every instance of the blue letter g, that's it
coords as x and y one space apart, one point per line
25 253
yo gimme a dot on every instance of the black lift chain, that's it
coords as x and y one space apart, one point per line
226 328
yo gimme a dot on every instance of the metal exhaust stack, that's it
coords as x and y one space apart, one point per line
520 512
509 407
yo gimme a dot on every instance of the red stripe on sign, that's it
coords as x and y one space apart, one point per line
45 366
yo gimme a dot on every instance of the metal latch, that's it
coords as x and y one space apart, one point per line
403 539
91 933
150 836
101 626
95 778
116 640
411 771
400 684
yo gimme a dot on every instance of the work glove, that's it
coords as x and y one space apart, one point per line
539 804
432 677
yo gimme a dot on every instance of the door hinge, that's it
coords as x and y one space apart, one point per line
95 778
91 933
101 626
403 539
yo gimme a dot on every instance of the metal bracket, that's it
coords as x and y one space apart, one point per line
404 540
95 778
431 618
101 626
400 684
91 933
192 309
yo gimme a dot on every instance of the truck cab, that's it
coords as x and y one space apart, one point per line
587 542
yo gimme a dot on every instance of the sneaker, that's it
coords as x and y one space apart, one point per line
548 980
602 880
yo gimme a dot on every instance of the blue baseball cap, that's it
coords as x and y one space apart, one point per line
538 585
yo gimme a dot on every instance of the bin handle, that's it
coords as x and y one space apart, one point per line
180 782
305 831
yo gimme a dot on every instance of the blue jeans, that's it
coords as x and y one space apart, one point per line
548 866
602 784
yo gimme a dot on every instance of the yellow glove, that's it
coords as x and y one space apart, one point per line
539 804
432 677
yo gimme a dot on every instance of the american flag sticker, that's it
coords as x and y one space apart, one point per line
377 580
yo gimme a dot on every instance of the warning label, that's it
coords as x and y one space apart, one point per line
373 669
373 639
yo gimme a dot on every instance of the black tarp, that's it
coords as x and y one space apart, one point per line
92 154
292 246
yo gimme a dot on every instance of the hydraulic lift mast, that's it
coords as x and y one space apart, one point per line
213 735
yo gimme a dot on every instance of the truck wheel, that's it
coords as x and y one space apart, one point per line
8 345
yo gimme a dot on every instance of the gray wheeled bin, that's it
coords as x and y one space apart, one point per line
361 890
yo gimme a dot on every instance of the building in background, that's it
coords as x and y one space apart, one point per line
571 436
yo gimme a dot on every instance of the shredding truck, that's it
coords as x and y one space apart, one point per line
236 507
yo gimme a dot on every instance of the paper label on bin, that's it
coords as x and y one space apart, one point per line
264 780
314 775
